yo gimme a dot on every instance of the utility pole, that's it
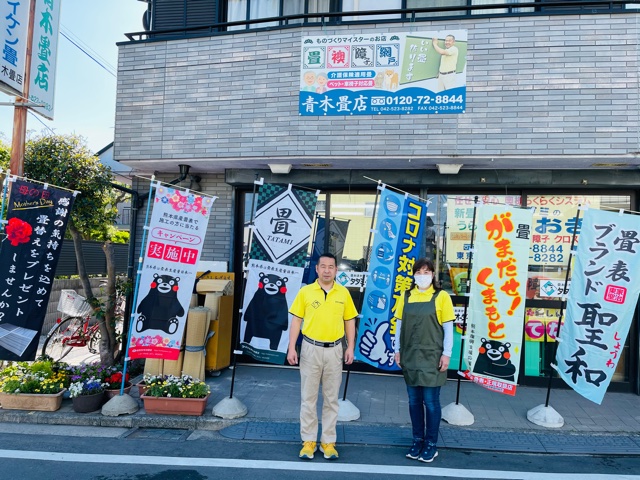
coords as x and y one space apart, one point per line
20 108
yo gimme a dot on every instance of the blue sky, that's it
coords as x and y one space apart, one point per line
85 95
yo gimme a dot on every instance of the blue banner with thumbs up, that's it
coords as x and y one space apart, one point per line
396 246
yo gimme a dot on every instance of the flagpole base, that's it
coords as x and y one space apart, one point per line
545 417
457 414
229 408
347 411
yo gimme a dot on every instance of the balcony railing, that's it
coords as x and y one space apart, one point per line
409 15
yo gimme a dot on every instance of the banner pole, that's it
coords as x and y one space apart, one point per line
466 305
562 306
137 287
366 269
245 263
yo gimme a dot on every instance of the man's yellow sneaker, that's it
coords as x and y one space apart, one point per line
329 450
308 449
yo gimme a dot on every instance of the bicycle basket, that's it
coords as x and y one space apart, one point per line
73 304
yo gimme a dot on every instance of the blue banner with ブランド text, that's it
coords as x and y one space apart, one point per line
396 245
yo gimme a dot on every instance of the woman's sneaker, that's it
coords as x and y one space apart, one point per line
414 451
429 453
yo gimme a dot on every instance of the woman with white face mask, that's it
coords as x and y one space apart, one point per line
425 329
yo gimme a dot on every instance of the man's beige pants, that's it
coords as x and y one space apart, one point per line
319 364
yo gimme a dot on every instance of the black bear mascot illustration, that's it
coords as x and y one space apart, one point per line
494 360
160 309
267 315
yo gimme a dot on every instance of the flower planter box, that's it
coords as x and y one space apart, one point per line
42 402
175 406
110 393
88 403
142 387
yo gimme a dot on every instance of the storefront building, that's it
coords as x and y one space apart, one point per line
550 120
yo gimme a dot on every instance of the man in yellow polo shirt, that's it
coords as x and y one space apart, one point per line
328 312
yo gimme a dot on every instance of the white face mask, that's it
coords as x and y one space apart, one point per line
423 280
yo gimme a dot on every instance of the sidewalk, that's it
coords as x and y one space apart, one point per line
272 397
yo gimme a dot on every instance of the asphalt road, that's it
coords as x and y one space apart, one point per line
37 452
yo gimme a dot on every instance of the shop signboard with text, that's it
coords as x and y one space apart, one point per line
390 73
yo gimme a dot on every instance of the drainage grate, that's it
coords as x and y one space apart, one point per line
170 434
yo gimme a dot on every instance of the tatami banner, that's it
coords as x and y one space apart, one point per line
176 234
604 291
497 296
281 235
265 312
396 245
37 219
282 225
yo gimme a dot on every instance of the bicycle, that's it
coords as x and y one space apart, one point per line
74 329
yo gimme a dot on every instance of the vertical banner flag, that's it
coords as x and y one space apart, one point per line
601 303
396 246
14 20
281 233
176 234
37 217
498 292
45 53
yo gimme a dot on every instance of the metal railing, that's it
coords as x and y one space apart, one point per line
410 15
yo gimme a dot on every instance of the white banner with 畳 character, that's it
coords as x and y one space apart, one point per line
281 234
601 303
175 237
497 296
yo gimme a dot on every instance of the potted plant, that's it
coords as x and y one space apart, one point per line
32 386
142 385
114 384
87 395
183 395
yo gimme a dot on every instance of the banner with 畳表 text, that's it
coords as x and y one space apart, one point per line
497 297
396 246
176 234
37 217
601 303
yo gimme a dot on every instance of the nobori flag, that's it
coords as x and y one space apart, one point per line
601 303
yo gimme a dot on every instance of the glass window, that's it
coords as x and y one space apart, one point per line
494 11
293 7
370 5
437 3
237 11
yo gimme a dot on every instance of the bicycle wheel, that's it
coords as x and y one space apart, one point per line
55 346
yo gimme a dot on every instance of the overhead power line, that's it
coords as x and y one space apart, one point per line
92 55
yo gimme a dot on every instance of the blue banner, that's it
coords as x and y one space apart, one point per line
397 239
604 291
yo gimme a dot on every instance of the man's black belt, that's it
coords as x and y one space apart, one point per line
322 344
447 73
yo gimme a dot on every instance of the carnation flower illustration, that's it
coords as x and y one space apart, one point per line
18 231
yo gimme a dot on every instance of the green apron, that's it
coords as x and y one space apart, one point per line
421 339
